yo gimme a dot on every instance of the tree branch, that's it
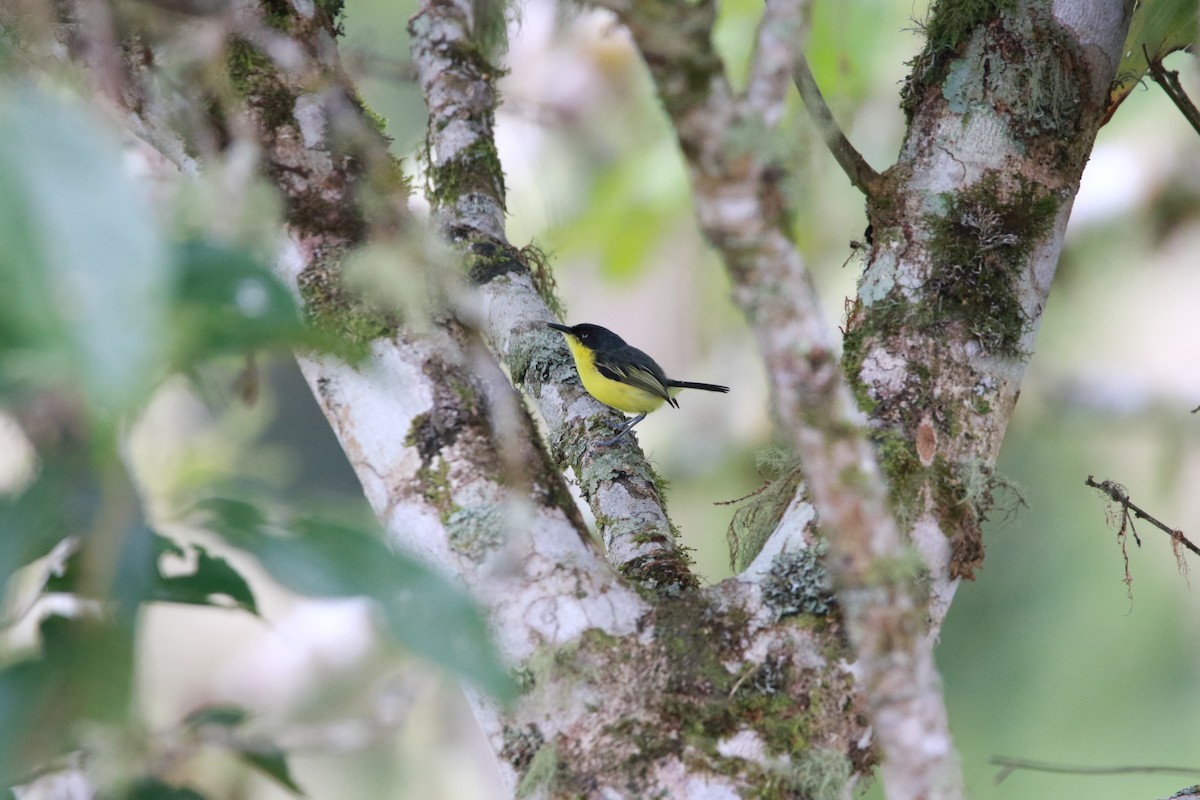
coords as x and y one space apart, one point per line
860 173
1169 81
468 199
1116 492
739 204
1009 765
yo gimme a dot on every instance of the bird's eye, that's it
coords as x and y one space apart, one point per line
583 336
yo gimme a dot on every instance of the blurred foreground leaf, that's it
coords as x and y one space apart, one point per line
50 509
83 673
83 270
141 578
269 760
155 789
229 302
274 764
423 611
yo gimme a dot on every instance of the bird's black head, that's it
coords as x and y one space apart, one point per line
592 336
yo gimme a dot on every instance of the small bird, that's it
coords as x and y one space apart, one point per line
621 376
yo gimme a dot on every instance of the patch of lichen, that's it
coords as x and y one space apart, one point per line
521 745
1041 84
474 531
978 250
799 583
948 27
865 325
682 697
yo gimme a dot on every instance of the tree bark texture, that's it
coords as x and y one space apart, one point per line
798 674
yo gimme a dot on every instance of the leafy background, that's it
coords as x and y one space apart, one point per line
1046 656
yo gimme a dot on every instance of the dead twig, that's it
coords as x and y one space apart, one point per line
1128 510
1010 765
1169 81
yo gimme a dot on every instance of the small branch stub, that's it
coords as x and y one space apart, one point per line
1128 511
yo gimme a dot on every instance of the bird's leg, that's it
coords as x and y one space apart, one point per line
624 429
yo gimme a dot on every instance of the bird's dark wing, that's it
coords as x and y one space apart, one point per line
632 366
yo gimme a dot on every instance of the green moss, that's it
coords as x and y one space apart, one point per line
948 26
665 573
490 33
542 773
488 259
434 478
256 78
543 279
335 310
817 773
978 250
277 14
335 11
475 168
521 746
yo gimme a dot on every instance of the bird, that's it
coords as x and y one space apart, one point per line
621 376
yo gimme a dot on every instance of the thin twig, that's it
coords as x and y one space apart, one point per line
1169 81
1010 765
860 173
1118 495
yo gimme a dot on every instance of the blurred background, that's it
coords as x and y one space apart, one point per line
1048 655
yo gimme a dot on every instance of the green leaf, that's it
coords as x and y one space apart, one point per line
211 579
83 271
58 504
227 301
140 577
423 611
219 715
1159 27
27 737
84 672
155 789
273 763
267 759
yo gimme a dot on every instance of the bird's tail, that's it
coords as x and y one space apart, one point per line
707 387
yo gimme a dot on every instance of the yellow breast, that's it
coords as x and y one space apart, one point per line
621 396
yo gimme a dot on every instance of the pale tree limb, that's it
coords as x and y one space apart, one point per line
468 199
740 207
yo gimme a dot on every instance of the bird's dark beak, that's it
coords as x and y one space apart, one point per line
558 327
